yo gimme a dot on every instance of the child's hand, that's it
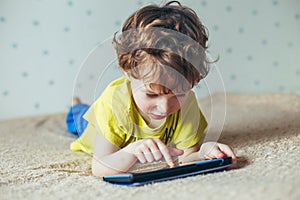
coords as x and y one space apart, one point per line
153 149
212 150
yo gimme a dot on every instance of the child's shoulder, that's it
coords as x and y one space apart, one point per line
119 82
118 92
191 104
192 98
117 87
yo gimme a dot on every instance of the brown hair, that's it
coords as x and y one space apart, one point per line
180 44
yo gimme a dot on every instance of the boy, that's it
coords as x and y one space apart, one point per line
151 113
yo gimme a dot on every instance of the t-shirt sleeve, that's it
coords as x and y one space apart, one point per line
102 118
108 116
86 141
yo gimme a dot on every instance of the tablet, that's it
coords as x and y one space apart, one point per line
135 179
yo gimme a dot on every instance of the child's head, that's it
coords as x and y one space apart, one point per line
164 47
139 61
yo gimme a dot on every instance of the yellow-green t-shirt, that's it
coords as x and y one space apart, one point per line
115 115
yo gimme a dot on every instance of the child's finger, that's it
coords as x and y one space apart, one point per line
228 151
140 156
148 155
175 151
215 153
155 152
166 154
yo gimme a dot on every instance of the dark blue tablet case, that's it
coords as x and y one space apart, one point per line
135 179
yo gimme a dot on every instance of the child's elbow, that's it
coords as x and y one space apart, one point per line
99 170
96 172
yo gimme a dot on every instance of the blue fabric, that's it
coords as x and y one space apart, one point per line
75 121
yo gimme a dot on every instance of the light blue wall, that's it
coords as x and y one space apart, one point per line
44 43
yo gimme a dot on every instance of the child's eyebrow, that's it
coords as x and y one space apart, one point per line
158 89
160 92
181 94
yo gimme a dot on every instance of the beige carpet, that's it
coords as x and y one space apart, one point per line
264 130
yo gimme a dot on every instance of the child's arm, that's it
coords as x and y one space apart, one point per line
208 150
212 150
109 159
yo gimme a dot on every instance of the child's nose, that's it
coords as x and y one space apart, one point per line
163 105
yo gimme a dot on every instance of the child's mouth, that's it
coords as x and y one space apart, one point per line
158 116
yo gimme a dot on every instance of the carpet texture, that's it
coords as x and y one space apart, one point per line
263 129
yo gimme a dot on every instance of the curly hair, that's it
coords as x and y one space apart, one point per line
156 39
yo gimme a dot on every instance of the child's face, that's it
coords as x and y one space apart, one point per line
154 102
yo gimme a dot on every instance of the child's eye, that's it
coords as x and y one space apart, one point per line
180 95
151 95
